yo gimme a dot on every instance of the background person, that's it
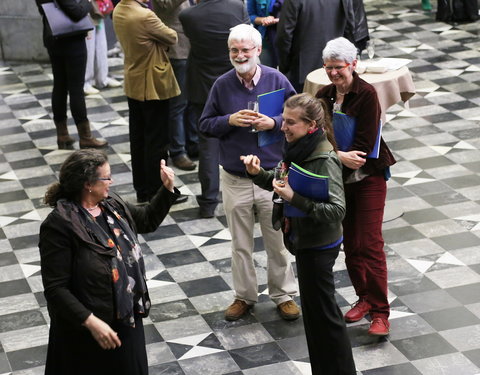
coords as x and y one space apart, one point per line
149 84
264 15
183 130
303 30
68 56
96 74
207 60
316 238
365 185
93 270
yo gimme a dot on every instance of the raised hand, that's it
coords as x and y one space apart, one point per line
167 175
252 164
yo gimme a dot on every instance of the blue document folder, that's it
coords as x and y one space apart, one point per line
307 184
270 104
344 127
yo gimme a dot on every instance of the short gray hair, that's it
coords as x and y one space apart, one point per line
340 49
243 33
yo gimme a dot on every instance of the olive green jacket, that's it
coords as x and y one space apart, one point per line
145 40
323 223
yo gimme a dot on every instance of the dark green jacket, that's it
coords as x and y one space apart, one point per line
323 223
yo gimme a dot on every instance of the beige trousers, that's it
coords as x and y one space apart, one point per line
240 195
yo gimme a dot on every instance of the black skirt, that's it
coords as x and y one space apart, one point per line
77 353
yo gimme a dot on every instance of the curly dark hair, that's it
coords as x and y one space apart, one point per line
79 168
314 109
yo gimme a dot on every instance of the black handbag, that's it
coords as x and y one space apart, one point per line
61 24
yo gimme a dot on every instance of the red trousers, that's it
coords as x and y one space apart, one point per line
363 242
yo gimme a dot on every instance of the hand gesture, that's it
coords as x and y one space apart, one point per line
103 334
167 175
252 164
243 118
352 159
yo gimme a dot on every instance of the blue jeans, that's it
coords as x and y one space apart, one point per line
183 130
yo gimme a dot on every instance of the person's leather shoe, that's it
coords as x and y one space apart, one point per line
181 199
236 310
207 213
379 327
183 162
358 311
289 310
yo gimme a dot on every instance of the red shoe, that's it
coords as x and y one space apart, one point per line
379 327
358 311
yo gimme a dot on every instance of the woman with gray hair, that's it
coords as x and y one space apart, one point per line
365 183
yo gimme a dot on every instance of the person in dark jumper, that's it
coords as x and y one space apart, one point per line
226 118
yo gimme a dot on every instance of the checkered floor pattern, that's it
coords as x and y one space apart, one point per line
432 237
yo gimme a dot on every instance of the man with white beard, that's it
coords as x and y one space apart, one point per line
225 117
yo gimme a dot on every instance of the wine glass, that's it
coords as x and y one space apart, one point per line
253 106
370 48
280 174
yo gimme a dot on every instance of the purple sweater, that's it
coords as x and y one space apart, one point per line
228 96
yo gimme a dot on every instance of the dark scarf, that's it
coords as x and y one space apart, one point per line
298 151
128 268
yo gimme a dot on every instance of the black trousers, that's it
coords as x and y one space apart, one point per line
327 339
69 60
148 125
208 164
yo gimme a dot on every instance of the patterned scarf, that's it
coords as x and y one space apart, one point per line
128 268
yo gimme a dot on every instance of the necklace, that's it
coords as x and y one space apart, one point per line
92 208
342 93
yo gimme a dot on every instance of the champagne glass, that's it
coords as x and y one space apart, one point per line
280 174
370 48
253 106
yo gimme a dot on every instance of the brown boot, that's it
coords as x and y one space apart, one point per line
86 139
64 141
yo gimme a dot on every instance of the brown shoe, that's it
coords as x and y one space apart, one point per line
289 310
183 162
236 310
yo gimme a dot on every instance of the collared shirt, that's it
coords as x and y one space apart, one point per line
250 85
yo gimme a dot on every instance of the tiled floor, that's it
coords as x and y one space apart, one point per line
433 249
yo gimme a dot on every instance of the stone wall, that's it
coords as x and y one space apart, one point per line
21 31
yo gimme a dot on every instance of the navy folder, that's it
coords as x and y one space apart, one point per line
307 184
270 104
344 127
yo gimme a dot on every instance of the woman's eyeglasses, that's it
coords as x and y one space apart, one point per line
104 179
337 68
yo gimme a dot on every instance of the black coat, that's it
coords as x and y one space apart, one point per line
303 30
76 268
207 26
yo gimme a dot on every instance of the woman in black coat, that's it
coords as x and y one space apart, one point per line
93 270
68 56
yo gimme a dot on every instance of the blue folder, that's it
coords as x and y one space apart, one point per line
270 104
307 184
344 127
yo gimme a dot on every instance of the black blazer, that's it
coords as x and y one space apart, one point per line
305 27
207 26
76 268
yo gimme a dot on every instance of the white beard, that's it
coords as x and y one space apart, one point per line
246 67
